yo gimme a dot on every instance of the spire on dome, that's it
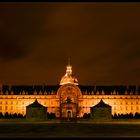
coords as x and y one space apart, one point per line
68 77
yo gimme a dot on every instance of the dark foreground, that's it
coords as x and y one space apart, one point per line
68 129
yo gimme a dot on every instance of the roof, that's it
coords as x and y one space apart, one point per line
35 104
85 89
30 89
102 104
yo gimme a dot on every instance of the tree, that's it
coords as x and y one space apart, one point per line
51 115
1 115
19 115
6 115
115 116
137 115
15 115
86 116
130 115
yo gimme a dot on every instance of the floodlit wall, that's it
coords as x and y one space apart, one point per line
120 103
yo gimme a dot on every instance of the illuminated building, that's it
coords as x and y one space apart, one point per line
69 98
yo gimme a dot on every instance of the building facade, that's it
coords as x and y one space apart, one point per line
68 99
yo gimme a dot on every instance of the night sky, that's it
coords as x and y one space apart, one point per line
101 39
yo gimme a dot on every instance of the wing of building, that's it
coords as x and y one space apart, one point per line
69 99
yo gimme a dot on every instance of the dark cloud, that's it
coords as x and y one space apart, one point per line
10 49
101 39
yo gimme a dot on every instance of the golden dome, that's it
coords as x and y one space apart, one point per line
69 77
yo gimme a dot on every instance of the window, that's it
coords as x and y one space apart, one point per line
131 107
0 107
126 103
121 103
137 108
137 102
6 107
11 102
6 102
11 107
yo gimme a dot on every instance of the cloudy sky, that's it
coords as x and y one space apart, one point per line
102 40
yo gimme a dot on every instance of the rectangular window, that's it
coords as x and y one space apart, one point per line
6 107
11 107
0 107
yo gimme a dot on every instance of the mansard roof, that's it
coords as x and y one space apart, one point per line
30 89
85 89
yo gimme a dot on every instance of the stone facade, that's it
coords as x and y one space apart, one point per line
69 98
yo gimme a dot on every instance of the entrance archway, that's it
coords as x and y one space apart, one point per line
69 114
69 95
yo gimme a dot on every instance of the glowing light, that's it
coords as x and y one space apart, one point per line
69 77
